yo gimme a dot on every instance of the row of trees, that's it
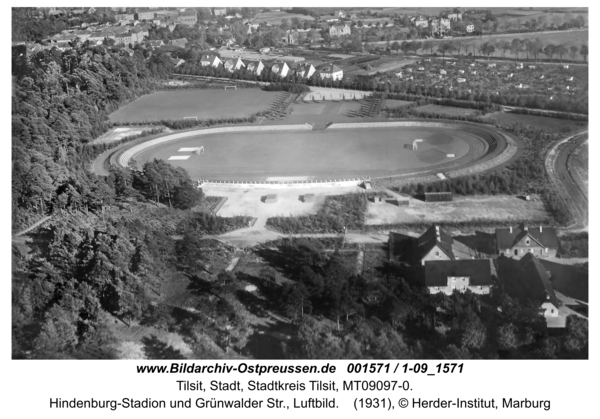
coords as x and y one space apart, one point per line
517 47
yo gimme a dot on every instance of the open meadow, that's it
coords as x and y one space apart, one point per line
509 209
199 103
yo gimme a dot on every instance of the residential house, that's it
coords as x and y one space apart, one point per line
156 44
436 244
305 71
534 282
146 15
125 16
433 244
188 18
337 31
421 22
280 69
181 42
331 71
138 33
123 38
340 14
291 37
219 11
255 67
252 27
528 279
233 64
447 276
210 60
518 241
127 51
454 17
99 36
169 49
177 61
470 28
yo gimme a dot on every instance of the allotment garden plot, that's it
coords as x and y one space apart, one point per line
199 103
319 154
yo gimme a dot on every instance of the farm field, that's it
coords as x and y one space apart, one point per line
545 122
317 154
201 103
490 208
446 110
276 18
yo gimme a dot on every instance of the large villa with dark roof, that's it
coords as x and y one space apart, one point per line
518 241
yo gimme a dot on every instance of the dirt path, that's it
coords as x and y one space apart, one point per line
573 193
28 229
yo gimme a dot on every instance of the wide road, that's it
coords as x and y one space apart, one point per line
568 185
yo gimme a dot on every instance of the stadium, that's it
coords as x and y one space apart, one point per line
276 154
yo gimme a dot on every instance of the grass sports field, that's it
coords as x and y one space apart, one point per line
201 103
318 154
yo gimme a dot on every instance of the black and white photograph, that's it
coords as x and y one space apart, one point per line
299 183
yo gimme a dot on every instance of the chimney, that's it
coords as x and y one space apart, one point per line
540 229
510 229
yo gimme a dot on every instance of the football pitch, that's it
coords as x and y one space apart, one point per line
318 154
199 103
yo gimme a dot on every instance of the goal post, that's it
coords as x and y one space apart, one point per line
193 118
230 87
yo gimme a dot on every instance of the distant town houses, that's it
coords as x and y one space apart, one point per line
337 31
332 72
219 11
146 15
420 22
189 18
447 276
455 17
156 44
516 242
